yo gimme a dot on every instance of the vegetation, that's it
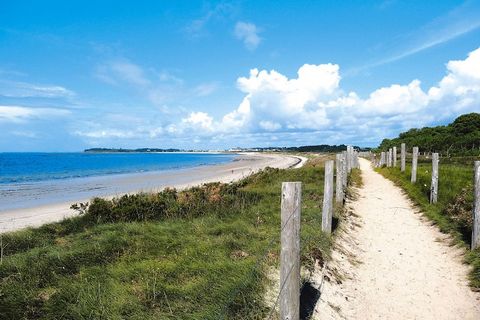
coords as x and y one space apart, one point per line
316 148
324 148
195 254
462 137
453 212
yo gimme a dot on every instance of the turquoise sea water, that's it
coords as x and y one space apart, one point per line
35 179
29 167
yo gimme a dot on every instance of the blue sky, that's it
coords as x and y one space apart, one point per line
220 74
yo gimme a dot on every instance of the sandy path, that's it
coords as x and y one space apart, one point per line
394 264
248 163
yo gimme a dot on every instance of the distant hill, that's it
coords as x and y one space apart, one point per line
461 137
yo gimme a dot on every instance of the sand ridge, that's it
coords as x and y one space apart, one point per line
393 263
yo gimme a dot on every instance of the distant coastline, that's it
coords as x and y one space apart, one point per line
140 150
312 148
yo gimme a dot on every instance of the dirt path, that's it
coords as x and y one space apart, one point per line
394 264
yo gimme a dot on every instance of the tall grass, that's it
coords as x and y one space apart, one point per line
197 254
453 212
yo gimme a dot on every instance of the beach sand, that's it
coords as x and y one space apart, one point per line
117 185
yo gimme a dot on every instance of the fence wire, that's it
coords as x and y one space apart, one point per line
274 240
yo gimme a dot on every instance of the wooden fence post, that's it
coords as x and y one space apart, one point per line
290 250
402 157
382 159
344 170
434 186
395 156
413 178
389 160
476 207
349 159
327 211
339 179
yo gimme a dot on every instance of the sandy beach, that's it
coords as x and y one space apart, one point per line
81 190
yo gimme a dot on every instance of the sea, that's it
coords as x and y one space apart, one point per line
32 179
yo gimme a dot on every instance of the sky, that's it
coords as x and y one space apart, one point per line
222 74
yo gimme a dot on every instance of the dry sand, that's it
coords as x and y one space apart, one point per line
11 220
393 263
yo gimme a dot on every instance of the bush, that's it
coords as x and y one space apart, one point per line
214 198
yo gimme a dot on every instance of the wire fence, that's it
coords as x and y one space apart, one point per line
257 270
454 169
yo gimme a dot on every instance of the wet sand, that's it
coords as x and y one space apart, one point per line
44 203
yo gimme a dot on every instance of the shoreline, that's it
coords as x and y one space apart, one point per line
153 181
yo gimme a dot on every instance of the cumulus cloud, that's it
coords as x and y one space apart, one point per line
315 102
199 120
312 107
248 33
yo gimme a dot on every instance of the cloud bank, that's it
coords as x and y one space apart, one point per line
315 102
309 108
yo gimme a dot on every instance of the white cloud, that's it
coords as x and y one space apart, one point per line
314 102
313 108
106 133
199 120
270 125
22 114
248 33
16 89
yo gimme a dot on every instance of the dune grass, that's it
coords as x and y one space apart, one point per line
196 254
453 212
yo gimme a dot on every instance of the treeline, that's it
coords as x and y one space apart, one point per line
323 148
461 137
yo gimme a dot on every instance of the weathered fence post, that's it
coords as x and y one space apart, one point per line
476 207
290 250
349 158
402 157
434 186
327 211
395 156
339 179
389 161
382 159
413 178
344 170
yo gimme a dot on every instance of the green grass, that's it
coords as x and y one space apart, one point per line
453 212
199 254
